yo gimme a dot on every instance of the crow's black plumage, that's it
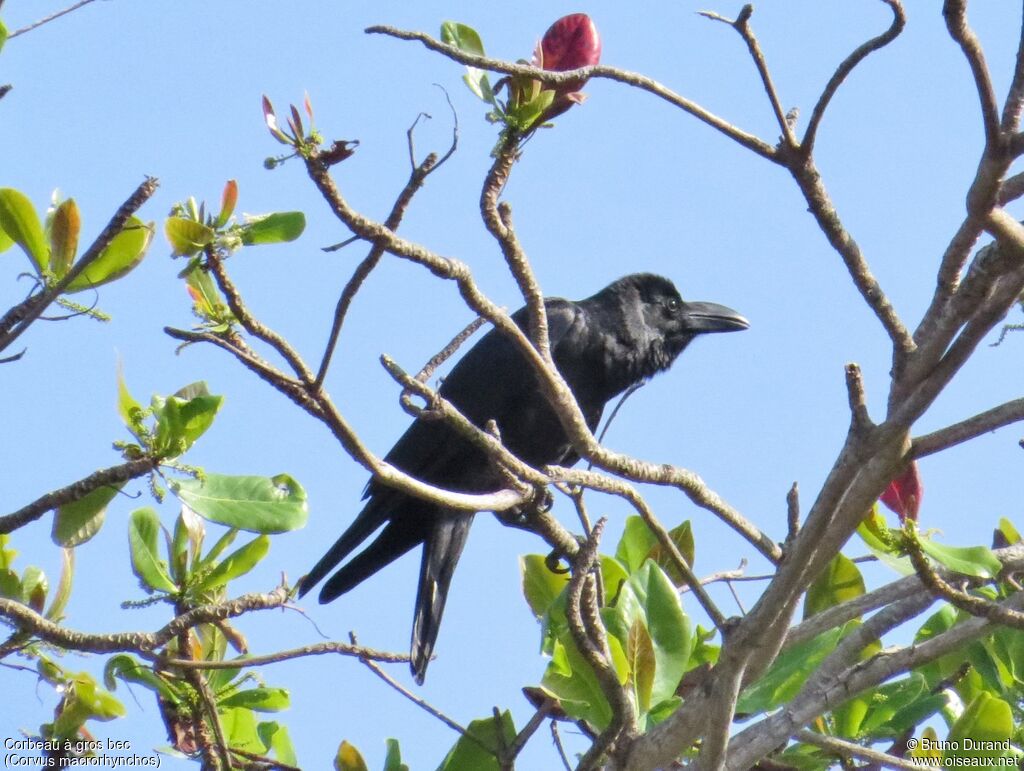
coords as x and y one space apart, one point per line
629 331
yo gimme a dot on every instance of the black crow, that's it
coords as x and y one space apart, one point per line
627 332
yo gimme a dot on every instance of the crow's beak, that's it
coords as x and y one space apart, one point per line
710 317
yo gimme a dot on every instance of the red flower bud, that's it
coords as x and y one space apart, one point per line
903 495
570 43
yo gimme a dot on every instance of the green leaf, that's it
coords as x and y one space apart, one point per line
988 724
34 587
183 419
275 228
393 760
787 675
839 582
682 537
19 220
259 699
636 543
1005 526
613 576
3 39
348 758
888 699
275 736
143 529
463 37
649 595
236 564
6 242
78 521
469 755
570 679
882 542
241 731
969 560
131 670
131 411
122 254
257 504
541 587
187 237
64 228
60 597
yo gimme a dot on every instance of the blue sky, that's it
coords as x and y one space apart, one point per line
119 90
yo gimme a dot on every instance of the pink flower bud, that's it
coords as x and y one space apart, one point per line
903 495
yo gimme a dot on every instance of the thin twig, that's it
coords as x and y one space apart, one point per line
48 19
742 25
955 14
847 749
983 423
847 66
112 476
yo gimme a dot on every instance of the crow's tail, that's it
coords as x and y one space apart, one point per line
368 520
441 552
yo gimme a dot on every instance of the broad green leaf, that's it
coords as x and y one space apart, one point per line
469 755
988 724
839 582
218 548
663 710
348 758
131 670
276 737
275 228
84 699
78 521
257 504
787 675
180 421
60 597
570 679
636 543
236 564
19 220
228 199
259 699
463 37
6 242
393 760
123 253
3 39
480 85
64 228
650 596
613 576
143 529
541 587
848 717
968 560
241 731
187 237
682 537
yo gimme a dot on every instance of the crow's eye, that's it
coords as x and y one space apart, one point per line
673 304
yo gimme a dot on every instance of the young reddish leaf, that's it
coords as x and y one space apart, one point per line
64 228
296 123
309 107
903 495
228 199
271 120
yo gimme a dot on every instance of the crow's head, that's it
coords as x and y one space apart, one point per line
659 324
